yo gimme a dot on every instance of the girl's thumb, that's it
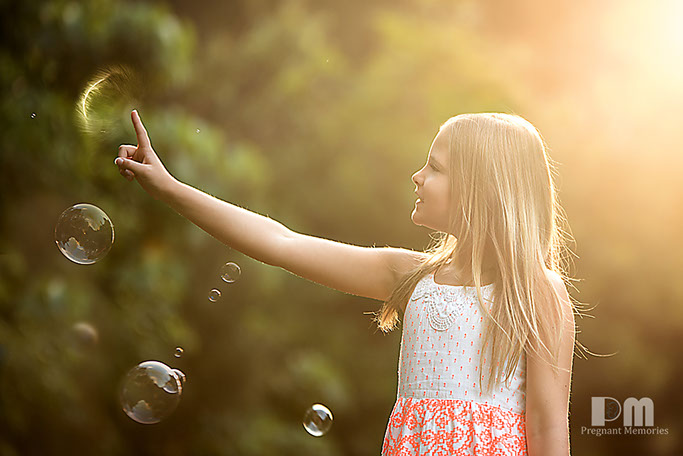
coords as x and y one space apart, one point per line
127 163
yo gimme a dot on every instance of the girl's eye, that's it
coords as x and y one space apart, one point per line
434 167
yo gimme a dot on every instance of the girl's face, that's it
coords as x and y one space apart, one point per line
433 186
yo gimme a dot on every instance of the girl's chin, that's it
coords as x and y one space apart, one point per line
416 219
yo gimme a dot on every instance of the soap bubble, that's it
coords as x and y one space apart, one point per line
214 295
107 101
33 115
198 130
178 352
84 233
317 420
150 392
230 272
180 376
84 334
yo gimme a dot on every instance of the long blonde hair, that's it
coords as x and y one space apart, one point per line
504 196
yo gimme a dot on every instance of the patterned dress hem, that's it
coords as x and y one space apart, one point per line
453 427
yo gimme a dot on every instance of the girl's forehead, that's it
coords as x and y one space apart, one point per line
440 145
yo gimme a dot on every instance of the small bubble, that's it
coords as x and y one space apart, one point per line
317 420
230 272
197 130
150 392
33 115
328 60
214 295
178 352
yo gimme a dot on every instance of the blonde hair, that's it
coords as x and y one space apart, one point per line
501 180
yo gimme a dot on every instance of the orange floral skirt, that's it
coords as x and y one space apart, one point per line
441 427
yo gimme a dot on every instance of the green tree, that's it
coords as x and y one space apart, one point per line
284 109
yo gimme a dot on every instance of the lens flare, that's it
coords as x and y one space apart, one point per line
104 107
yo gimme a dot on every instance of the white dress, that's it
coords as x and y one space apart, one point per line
440 409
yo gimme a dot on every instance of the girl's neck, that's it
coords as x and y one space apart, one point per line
460 275
460 268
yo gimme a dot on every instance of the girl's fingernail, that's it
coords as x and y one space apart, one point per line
118 161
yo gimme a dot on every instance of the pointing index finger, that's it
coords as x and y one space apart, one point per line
140 132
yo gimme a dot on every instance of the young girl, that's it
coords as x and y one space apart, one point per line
488 325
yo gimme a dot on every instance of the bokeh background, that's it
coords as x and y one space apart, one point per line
315 113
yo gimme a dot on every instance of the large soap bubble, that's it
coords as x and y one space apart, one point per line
104 106
151 391
317 420
84 233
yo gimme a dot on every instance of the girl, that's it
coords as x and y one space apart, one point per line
488 325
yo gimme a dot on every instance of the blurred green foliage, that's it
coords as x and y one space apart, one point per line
314 114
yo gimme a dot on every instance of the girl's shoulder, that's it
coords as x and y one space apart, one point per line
557 282
561 298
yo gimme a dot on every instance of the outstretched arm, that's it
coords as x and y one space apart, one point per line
364 271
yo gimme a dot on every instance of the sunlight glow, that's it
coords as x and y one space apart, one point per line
84 109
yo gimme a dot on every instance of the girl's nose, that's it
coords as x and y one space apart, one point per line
417 178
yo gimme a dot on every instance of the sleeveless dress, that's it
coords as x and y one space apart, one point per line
440 410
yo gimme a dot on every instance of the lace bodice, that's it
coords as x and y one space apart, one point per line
441 346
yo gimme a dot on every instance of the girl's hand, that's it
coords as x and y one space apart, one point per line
142 163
